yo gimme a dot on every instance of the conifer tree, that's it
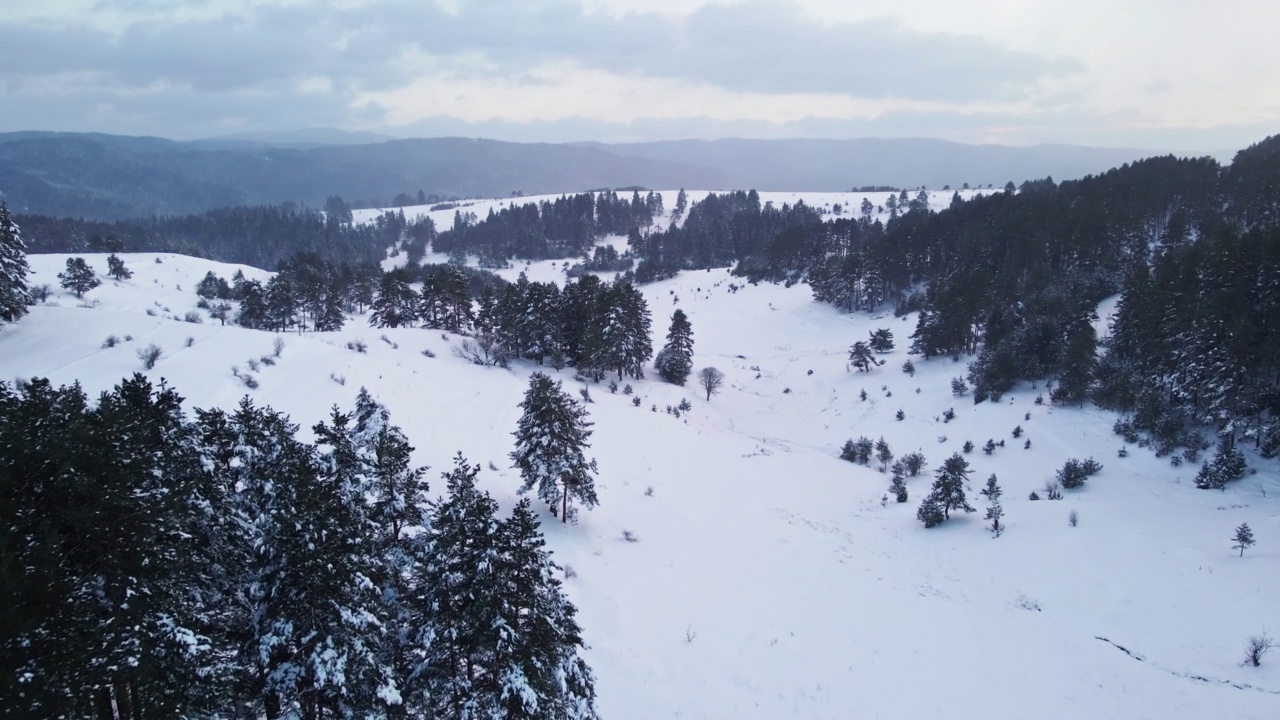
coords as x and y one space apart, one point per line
538 669
13 269
550 440
947 493
116 268
861 357
1243 538
457 594
995 511
395 303
883 453
881 340
79 278
675 361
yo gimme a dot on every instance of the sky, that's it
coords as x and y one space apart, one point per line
1180 75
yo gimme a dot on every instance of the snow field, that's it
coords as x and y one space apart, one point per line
766 579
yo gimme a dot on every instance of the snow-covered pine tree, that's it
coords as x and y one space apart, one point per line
883 453
995 511
395 304
538 669
675 361
881 340
13 269
550 439
457 596
79 278
947 493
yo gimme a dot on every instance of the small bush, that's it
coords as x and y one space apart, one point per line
1073 518
958 387
629 536
1052 491
613 387
909 368
151 312
1255 648
190 341
948 415
968 446
585 392
1017 431
267 360
684 405
428 353
387 340
636 401
1123 452
901 415
1074 472
277 346
149 355
111 341
253 365
39 293
358 345
1033 496
128 338
627 390
338 378
249 381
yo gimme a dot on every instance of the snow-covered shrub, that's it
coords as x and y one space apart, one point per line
111 341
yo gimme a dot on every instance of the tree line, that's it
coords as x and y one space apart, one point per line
259 236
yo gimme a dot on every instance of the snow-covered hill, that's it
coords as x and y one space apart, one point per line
767 577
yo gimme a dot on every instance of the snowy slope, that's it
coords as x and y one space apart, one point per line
767 580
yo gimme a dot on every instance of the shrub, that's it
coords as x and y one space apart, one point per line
111 341
968 446
1073 518
39 293
948 415
428 353
277 346
1074 472
149 355
627 390
358 345
190 341
901 415
636 401
958 387
253 365
1033 496
1255 648
338 378
909 368
249 381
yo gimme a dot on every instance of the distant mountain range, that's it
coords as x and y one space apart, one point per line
108 176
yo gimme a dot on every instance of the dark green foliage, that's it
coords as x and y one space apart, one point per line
79 278
261 237
947 493
995 511
550 439
14 297
1243 538
858 451
913 463
157 567
883 453
898 488
861 357
1074 472
116 268
881 340
1227 465
930 513
675 361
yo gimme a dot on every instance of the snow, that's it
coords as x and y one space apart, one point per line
766 579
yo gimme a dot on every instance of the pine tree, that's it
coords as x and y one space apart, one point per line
538 669
675 361
1243 538
881 340
883 453
861 357
116 268
79 278
395 303
1079 365
457 594
898 488
550 440
13 269
947 493
992 493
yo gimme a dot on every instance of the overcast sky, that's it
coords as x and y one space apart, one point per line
1185 75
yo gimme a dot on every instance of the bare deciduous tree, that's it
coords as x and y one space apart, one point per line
711 380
